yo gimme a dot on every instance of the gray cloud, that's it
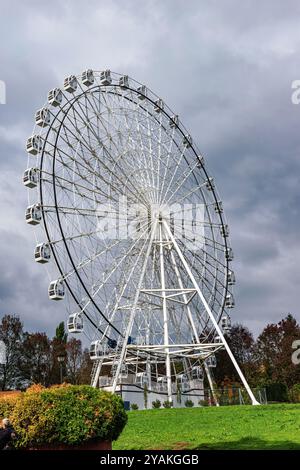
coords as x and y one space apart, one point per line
226 68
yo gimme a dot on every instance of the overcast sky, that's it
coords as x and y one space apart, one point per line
226 68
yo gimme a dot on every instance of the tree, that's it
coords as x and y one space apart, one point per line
11 333
274 352
60 333
58 349
74 360
84 374
35 363
241 343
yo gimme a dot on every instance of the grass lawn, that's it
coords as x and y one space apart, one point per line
228 427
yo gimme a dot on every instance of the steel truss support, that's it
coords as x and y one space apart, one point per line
209 312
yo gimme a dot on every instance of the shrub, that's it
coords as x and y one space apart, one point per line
67 415
156 404
167 404
7 405
277 392
134 406
294 393
189 403
203 402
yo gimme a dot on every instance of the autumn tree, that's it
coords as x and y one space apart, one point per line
11 333
35 364
74 360
274 352
242 344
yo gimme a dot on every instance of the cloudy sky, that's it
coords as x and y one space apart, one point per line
226 68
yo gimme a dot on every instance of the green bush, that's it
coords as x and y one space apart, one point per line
67 415
294 393
134 406
167 404
6 406
203 402
277 392
189 403
156 404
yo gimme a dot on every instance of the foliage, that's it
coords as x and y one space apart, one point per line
66 414
189 403
294 393
7 404
274 351
35 361
60 333
167 404
203 402
277 392
156 404
134 406
235 427
11 333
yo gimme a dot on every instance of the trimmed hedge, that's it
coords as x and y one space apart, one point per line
68 415
277 392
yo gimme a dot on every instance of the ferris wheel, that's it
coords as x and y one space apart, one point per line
132 230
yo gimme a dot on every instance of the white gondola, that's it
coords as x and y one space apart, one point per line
70 84
229 301
42 117
210 184
183 382
231 278
217 339
97 350
174 120
31 177
226 323
75 323
218 207
34 144
211 361
105 77
159 105
141 378
56 290
197 372
87 77
142 92
33 214
229 254
162 383
42 253
187 140
124 81
55 97
224 230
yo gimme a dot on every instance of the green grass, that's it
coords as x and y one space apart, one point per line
229 427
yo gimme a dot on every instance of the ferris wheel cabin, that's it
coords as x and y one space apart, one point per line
31 177
34 144
75 323
55 97
87 77
105 77
124 81
33 214
70 84
42 117
42 253
56 290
